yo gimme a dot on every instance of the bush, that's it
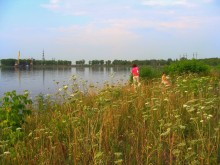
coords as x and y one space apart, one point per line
188 66
148 73
14 109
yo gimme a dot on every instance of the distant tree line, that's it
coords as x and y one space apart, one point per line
51 62
151 62
211 61
11 62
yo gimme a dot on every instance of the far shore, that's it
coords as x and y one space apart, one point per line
61 66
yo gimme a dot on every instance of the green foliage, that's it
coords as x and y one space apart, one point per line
188 66
8 62
148 73
11 62
14 109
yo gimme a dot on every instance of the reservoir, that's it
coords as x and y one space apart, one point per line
48 81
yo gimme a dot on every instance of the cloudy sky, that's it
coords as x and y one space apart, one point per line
109 29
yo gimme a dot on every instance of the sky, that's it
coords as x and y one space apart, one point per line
109 29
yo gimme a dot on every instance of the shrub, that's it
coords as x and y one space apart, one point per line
188 66
148 73
13 109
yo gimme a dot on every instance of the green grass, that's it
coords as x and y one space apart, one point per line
153 124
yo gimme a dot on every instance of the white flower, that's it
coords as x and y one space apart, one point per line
18 128
65 87
6 153
72 95
210 115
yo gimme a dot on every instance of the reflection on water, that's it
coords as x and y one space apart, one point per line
44 80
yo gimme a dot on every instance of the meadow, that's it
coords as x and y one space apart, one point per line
152 124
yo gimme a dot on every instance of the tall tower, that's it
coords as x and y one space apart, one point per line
43 58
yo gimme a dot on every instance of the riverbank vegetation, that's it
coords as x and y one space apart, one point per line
119 124
151 62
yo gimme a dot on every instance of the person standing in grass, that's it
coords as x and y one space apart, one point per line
164 80
135 75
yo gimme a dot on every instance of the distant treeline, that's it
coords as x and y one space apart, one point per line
151 62
11 62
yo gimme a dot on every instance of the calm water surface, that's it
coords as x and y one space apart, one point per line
43 81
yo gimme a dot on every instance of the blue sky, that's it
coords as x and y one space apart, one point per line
109 29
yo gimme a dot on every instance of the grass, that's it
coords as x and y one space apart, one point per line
153 124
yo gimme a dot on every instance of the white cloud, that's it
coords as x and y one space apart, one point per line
52 5
172 3
69 7
164 3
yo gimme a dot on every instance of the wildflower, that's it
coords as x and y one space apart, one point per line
6 153
166 132
181 144
166 99
210 115
30 134
72 95
182 126
18 128
65 87
118 161
73 77
184 105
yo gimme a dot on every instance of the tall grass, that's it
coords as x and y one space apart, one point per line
153 124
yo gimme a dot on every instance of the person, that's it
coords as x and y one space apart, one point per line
135 75
164 79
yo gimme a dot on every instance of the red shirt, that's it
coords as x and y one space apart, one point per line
135 71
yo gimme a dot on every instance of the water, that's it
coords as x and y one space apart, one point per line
44 81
